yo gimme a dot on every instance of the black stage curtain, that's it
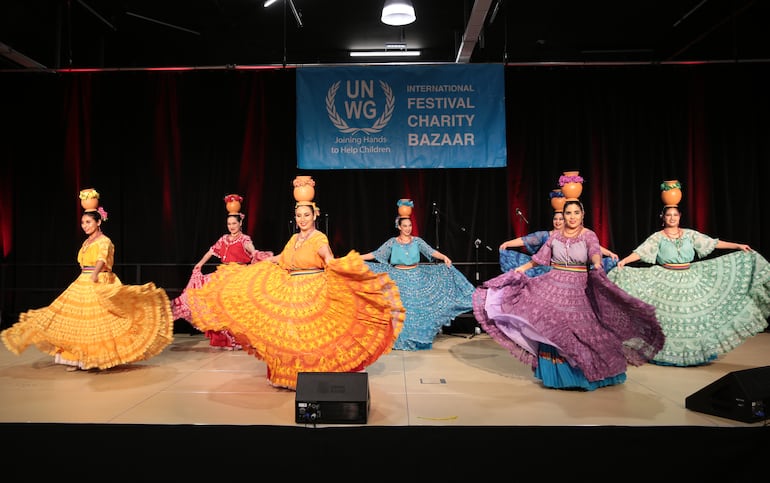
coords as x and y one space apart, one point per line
164 147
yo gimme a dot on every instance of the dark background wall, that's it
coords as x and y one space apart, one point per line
164 147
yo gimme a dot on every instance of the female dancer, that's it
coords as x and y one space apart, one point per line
233 247
572 325
433 294
303 310
97 322
510 259
706 307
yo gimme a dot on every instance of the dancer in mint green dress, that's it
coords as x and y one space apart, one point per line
705 307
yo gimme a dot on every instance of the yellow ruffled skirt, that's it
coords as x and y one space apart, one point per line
97 325
339 320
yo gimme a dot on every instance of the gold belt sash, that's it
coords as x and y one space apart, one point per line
89 269
676 266
569 268
306 271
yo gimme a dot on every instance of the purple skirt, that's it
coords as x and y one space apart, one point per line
592 323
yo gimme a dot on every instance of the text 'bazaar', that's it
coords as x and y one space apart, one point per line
441 139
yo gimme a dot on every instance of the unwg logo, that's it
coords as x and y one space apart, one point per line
360 104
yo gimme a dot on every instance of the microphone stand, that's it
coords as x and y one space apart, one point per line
521 215
438 220
477 243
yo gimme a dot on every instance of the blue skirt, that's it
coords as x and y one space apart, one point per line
555 372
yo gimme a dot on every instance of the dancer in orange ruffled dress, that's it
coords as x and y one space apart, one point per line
303 310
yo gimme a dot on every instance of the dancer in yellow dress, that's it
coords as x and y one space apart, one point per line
97 322
303 310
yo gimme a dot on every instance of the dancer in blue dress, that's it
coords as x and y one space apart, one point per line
432 294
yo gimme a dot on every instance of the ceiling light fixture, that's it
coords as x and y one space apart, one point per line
398 12
385 53
392 49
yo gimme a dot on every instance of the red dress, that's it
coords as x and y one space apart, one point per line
228 251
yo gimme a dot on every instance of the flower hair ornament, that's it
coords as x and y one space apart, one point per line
102 213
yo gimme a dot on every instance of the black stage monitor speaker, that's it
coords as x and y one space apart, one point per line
332 398
740 395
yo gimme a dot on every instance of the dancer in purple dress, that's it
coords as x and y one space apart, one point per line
511 258
574 327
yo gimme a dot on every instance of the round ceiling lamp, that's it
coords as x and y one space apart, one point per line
398 12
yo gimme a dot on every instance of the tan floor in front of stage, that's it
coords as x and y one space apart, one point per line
463 381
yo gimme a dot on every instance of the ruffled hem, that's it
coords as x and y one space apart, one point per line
432 295
488 324
556 373
180 307
339 320
599 333
99 325
706 310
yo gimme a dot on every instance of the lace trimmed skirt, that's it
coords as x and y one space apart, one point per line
706 310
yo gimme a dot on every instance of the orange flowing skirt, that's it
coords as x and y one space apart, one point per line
339 320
